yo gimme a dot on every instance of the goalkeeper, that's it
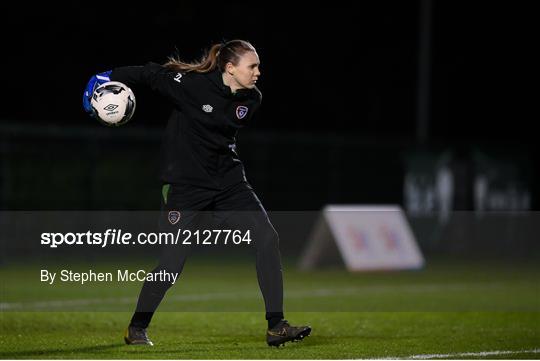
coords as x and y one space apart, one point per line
201 170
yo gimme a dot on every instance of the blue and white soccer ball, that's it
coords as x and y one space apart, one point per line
113 103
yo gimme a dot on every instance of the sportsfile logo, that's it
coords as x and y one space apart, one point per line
119 237
110 107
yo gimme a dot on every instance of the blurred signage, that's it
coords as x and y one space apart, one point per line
367 238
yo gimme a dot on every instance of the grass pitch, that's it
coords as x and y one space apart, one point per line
466 309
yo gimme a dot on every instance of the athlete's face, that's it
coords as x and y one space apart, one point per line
246 72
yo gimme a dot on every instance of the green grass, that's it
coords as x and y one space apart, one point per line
198 335
447 308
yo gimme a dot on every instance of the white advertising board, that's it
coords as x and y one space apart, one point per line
367 237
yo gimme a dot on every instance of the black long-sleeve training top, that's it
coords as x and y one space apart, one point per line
199 145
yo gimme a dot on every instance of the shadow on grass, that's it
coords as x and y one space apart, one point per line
51 352
232 345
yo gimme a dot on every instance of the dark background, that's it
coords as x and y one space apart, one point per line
340 108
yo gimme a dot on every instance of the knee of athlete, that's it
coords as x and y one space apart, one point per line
268 240
164 278
168 272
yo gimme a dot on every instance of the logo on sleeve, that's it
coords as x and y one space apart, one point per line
207 108
241 111
174 217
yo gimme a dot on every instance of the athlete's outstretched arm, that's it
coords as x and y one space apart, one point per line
158 78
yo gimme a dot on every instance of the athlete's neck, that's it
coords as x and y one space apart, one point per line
229 81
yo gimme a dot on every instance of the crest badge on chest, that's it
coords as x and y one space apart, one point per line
241 111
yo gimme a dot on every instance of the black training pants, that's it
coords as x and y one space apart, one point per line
239 208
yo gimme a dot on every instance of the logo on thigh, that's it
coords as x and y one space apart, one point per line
174 217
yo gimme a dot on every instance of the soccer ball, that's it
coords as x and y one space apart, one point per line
113 103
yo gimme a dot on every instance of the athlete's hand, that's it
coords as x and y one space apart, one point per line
93 83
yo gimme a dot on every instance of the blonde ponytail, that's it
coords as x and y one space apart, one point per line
217 57
205 65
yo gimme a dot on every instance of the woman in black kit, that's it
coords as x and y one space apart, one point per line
201 170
